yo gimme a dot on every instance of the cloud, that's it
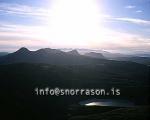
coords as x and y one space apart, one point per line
130 6
117 40
133 20
139 11
23 10
15 35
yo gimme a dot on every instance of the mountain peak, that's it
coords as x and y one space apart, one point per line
94 55
23 49
49 50
44 50
74 52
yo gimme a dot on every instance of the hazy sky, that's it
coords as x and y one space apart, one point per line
116 25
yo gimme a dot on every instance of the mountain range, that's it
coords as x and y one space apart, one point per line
73 57
47 55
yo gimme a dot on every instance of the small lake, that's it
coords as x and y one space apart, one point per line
107 102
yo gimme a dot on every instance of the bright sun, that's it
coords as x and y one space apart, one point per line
74 23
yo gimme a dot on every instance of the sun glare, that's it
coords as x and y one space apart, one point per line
94 104
74 23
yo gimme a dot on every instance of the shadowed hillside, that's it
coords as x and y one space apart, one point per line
18 82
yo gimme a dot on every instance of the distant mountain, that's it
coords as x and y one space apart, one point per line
110 55
3 53
47 55
138 58
73 52
142 60
142 55
95 55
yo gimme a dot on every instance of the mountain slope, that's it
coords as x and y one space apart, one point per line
3 53
73 52
141 60
47 55
95 55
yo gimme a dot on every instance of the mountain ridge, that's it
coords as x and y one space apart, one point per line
95 55
46 55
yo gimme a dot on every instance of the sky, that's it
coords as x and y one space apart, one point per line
113 25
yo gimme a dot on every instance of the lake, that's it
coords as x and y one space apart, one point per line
107 102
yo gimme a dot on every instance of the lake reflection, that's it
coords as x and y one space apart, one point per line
107 102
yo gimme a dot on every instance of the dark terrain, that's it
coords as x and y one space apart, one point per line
21 72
